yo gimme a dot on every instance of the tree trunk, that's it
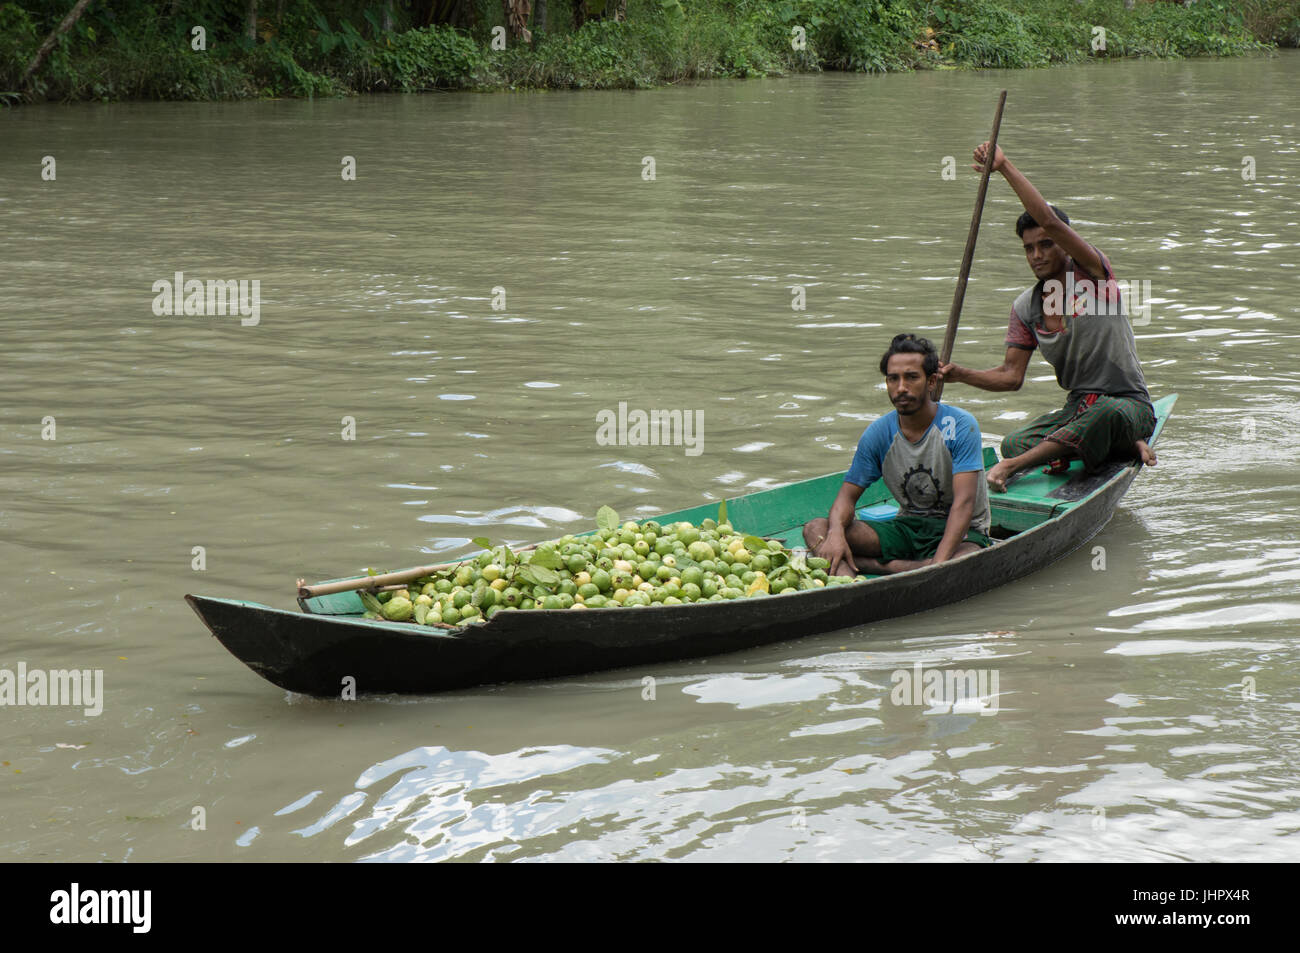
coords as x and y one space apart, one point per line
68 23
387 21
617 9
539 17
579 13
517 19
250 25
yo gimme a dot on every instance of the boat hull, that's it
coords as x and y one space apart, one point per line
319 654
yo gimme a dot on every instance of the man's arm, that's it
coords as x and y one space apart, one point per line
836 547
1009 375
1070 241
963 507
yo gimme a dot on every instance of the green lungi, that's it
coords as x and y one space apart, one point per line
1099 431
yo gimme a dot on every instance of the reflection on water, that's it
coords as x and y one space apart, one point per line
1130 775
842 789
431 803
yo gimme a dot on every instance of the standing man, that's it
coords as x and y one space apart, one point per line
931 459
1075 315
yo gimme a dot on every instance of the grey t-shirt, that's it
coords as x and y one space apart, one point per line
919 475
1094 353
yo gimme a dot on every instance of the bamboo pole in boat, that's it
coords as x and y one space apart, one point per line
381 581
954 315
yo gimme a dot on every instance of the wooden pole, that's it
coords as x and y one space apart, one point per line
368 582
375 583
954 315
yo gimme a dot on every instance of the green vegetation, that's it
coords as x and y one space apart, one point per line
150 49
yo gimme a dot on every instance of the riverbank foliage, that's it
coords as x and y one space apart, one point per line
152 49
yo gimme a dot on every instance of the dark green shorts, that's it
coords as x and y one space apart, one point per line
915 537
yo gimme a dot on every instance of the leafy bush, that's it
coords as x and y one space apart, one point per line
868 35
18 43
602 54
430 58
988 35
279 73
1272 21
143 62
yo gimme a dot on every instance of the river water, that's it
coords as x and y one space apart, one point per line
1146 710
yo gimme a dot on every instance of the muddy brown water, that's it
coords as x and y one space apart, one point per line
1145 711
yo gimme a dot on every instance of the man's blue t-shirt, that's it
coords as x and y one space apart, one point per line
919 475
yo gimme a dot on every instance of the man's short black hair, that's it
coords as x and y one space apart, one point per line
1027 221
911 344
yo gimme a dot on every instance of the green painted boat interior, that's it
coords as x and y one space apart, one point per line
1032 497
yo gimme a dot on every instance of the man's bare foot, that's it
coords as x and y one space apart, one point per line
905 565
874 567
869 566
1145 453
999 476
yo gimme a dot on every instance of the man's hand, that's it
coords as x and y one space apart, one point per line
981 154
952 373
836 548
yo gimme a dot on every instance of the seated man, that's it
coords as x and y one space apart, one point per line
930 458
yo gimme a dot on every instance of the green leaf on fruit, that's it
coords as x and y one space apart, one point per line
607 518
536 575
547 557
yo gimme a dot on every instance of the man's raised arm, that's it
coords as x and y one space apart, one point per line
1070 241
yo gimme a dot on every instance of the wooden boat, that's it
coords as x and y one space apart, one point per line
1037 521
